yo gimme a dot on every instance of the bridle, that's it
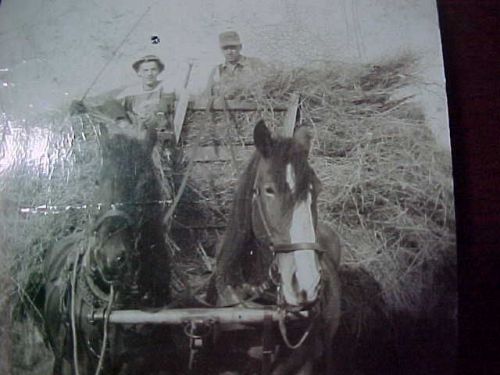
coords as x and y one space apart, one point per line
113 212
267 237
88 270
280 248
92 247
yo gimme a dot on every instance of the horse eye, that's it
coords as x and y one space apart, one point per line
269 190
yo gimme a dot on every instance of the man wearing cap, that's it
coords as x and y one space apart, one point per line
238 74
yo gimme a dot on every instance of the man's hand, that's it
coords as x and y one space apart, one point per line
166 136
77 107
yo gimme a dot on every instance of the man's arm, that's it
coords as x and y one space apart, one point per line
261 69
209 90
77 107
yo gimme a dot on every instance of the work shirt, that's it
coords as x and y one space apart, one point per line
236 81
153 109
149 108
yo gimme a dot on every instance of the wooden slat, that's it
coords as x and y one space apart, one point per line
221 153
200 104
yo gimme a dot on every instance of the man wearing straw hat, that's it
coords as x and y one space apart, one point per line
150 103
147 104
237 73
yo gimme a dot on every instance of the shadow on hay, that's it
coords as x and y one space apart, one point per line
372 340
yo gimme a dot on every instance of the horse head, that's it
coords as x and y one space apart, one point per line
113 252
284 213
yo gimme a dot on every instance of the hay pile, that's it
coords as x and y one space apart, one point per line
387 185
387 189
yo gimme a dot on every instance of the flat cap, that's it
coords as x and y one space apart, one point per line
148 58
229 38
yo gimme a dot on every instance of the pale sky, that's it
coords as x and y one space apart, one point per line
52 50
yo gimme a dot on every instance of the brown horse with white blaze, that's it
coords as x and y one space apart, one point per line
274 238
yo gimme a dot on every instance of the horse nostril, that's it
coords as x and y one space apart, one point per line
295 283
303 295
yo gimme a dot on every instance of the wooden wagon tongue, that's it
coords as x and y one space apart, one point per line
221 315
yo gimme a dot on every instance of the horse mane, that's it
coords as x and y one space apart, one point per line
239 232
127 160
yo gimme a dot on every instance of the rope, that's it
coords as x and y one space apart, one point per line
132 29
105 334
284 335
73 314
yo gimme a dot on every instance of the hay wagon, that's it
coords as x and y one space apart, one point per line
209 154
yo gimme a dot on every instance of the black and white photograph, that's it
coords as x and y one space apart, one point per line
225 187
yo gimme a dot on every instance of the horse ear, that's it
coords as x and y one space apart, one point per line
262 139
303 136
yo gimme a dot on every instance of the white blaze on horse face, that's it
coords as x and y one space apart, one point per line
290 177
301 274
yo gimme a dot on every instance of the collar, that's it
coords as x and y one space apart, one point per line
242 62
137 89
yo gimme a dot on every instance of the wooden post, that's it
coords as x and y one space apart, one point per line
181 107
291 116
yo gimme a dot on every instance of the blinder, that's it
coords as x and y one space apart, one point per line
280 248
113 212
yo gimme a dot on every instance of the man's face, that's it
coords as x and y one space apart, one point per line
232 53
148 71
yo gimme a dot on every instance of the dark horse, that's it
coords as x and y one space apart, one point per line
120 261
274 238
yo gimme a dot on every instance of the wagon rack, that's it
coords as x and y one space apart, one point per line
200 323
223 159
202 104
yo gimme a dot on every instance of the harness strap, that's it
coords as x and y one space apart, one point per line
267 344
290 248
98 292
281 248
113 212
284 333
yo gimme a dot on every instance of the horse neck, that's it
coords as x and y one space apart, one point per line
239 239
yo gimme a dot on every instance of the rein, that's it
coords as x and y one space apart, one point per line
82 258
94 288
86 261
284 334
